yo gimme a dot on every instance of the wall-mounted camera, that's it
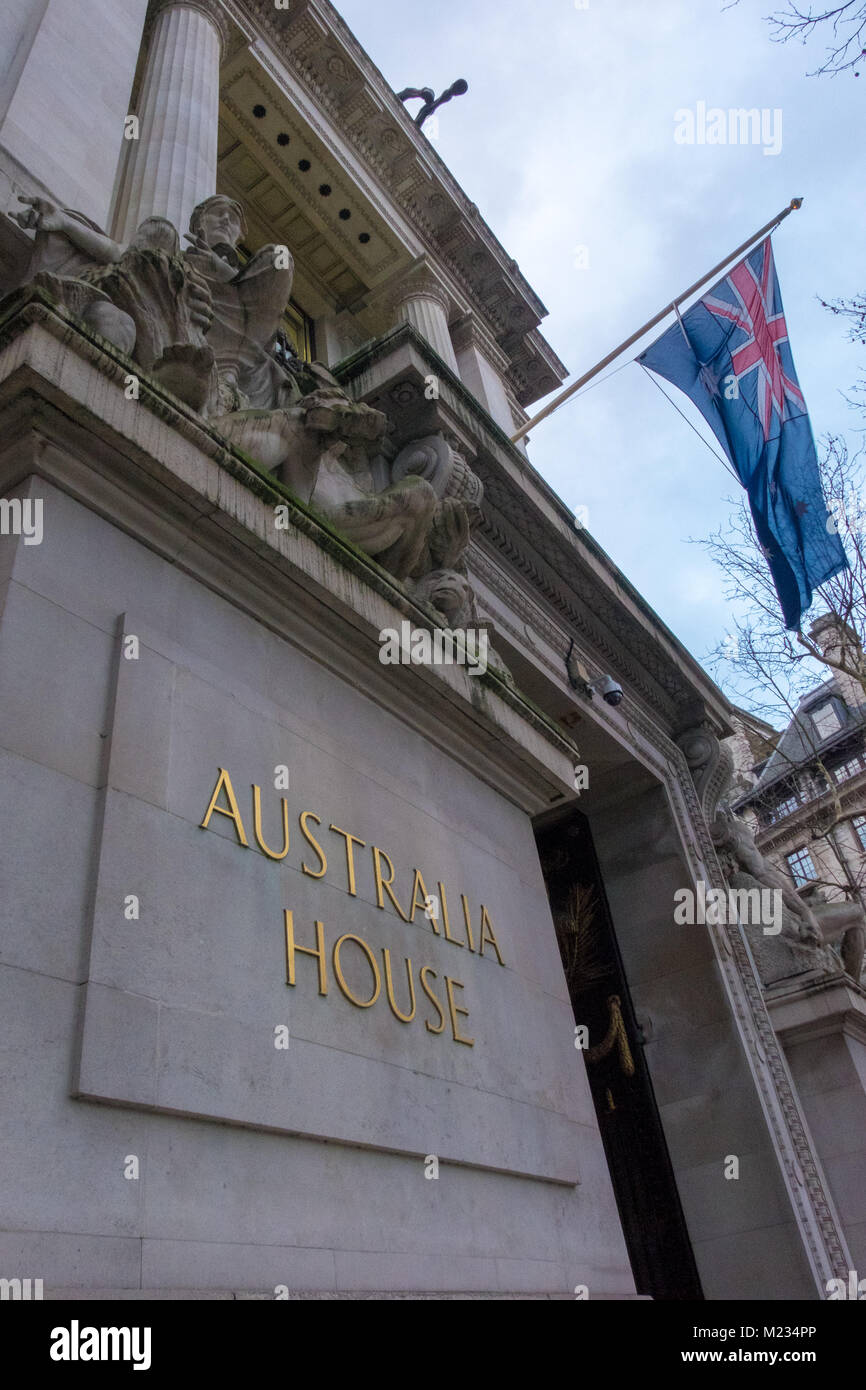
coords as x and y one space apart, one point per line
609 690
578 677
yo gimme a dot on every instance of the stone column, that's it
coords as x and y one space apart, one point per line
423 302
172 166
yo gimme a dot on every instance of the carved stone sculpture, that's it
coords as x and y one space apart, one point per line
844 925
298 441
800 947
204 325
144 298
248 302
452 595
392 523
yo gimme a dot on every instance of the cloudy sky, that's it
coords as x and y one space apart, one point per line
565 141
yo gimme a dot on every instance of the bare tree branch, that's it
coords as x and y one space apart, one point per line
845 25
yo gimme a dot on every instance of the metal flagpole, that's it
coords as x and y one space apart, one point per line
557 401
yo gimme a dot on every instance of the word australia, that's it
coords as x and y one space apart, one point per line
343 855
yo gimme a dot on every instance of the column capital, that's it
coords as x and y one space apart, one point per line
419 282
212 9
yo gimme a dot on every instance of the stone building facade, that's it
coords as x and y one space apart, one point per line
322 971
804 790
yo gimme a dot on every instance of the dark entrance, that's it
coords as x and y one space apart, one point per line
634 1142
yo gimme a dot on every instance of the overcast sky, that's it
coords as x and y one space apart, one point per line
566 140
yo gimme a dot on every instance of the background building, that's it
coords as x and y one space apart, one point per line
804 790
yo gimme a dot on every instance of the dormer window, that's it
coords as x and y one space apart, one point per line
826 719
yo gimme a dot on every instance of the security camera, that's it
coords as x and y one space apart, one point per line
578 678
608 689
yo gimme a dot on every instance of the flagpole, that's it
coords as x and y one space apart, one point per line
569 391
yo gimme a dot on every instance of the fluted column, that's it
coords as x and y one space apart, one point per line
172 166
423 302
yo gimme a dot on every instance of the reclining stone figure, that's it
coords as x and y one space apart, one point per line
145 298
807 927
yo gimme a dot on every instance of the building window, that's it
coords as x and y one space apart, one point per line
849 769
826 719
801 866
859 824
782 809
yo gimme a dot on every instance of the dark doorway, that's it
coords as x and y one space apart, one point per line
640 1168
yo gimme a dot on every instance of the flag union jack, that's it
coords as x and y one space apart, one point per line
754 310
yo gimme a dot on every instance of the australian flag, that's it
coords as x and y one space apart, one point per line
730 354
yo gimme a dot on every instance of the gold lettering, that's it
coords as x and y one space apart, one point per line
446 924
311 840
318 952
389 987
467 921
361 1003
422 901
487 935
257 825
378 856
425 970
224 783
455 1009
350 855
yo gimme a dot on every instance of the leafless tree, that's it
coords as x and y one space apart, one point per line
767 669
844 26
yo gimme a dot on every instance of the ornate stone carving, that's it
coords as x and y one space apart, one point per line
204 324
146 299
248 304
711 764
